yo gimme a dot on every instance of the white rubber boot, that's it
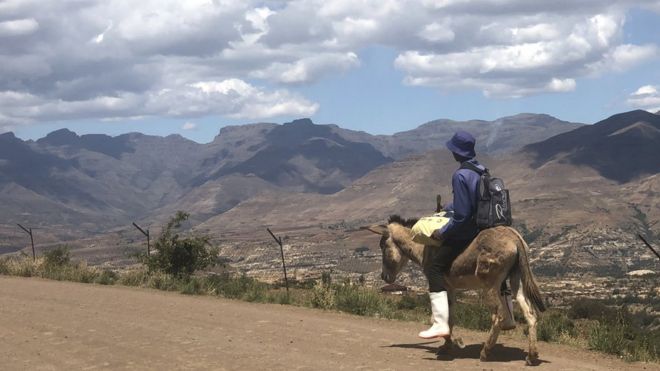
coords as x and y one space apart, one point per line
508 322
440 309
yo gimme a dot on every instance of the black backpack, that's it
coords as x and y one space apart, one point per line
493 205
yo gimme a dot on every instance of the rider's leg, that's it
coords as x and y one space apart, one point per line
508 321
442 260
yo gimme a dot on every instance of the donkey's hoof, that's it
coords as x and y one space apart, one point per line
532 359
458 342
483 356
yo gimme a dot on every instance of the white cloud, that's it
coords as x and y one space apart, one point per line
189 126
437 33
233 98
18 27
646 97
121 58
309 68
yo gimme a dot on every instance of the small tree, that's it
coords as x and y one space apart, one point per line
180 255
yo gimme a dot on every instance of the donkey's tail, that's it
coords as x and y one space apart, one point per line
530 288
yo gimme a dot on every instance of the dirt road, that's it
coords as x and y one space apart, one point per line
48 325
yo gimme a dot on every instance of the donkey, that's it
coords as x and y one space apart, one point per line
493 256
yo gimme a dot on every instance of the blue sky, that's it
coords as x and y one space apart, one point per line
381 67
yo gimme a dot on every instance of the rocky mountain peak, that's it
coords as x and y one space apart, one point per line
621 147
7 136
60 137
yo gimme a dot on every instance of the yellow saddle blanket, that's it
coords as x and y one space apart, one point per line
423 229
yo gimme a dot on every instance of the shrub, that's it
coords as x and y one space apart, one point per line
107 277
618 335
23 266
78 272
4 266
192 286
177 255
57 257
607 338
133 278
323 296
162 281
413 301
279 297
473 316
553 325
590 309
363 302
242 287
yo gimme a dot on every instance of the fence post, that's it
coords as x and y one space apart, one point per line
648 245
146 234
279 241
29 231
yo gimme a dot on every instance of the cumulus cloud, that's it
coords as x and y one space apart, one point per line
646 97
245 58
232 97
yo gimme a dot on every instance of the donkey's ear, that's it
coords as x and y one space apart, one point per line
377 229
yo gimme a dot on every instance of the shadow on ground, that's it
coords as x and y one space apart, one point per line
499 353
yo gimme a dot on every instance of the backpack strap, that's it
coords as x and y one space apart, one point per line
470 166
484 178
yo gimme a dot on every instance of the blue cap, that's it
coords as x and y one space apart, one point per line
462 144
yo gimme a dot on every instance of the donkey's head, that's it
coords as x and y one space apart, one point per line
393 259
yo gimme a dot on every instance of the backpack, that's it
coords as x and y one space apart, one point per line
493 204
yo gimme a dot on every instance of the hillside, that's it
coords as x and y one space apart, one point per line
622 147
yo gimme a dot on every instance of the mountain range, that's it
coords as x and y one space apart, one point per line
97 181
564 177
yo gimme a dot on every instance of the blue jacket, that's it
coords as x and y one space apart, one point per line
465 186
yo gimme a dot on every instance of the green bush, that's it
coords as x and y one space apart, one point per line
57 257
618 335
279 297
591 309
323 296
607 338
553 324
78 272
107 277
21 266
4 266
363 302
162 281
413 302
473 316
136 277
178 255
242 287
192 286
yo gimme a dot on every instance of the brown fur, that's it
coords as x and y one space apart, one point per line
495 255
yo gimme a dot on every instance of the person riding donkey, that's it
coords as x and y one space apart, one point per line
457 234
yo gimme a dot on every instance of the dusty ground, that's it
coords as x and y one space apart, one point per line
64 326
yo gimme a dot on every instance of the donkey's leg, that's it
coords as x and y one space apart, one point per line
495 327
530 316
456 341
